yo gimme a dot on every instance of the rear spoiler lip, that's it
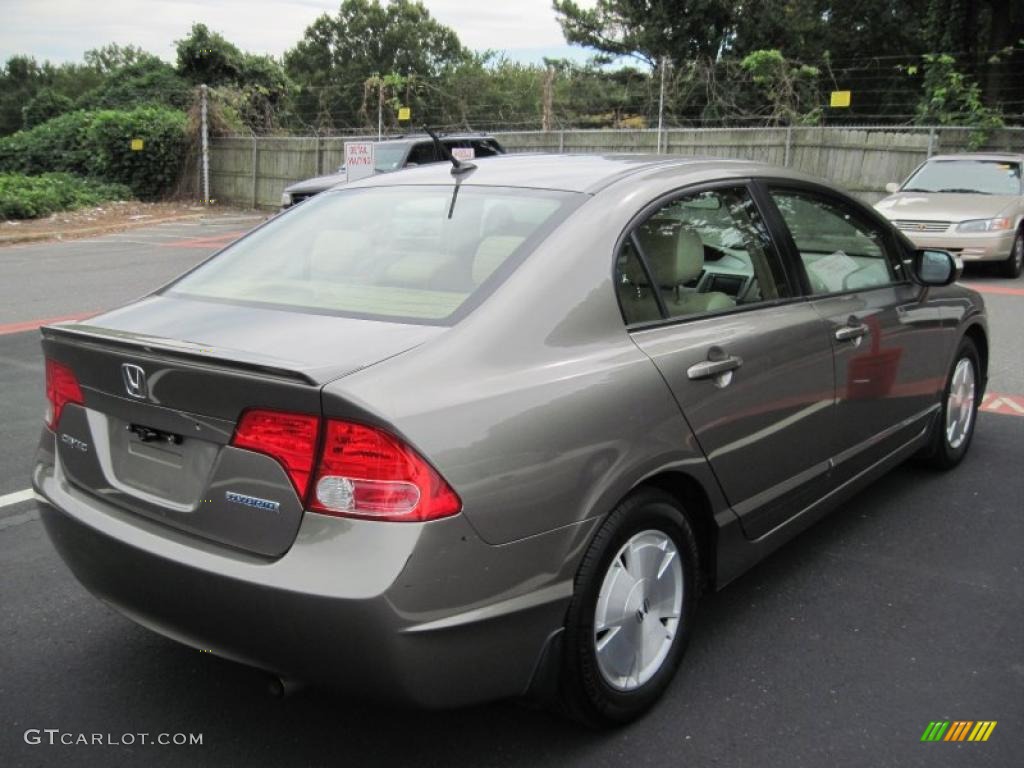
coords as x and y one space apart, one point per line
186 351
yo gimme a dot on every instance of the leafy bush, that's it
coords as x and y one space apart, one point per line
952 98
98 143
150 172
45 105
28 197
148 81
56 145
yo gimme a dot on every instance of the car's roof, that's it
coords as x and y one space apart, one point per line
993 156
569 172
416 138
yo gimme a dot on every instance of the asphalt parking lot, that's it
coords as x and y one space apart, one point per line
904 607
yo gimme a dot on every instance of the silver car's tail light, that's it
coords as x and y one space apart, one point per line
288 437
366 472
61 388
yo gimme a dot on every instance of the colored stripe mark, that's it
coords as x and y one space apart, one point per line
958 730
987 288
1007 405
210 241
30 325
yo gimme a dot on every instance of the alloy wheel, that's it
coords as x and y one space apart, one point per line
960 404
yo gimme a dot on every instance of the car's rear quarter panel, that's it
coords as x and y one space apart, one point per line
538 408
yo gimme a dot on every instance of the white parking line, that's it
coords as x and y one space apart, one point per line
16 497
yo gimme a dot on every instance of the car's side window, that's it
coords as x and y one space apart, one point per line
483 148
707 252
841 249
422 154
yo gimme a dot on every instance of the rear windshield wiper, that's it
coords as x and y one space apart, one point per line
958 190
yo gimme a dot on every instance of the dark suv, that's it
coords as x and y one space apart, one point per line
393 155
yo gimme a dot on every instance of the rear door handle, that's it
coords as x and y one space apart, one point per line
851 332
711 368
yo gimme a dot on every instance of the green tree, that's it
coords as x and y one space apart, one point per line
338 54
787 92
146 79
253 89
20 78
952 98
206 57
113 57
649 30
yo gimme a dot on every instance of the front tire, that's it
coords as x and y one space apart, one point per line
1014 265
632 610
955 428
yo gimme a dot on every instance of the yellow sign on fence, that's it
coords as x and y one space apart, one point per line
404 113
839 99
137 145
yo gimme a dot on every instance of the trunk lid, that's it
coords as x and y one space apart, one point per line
165 381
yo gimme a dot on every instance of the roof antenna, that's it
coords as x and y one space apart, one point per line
459 167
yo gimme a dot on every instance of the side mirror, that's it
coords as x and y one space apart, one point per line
933 267
892 187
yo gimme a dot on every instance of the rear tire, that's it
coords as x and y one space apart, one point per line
952 434
1014 265
630 617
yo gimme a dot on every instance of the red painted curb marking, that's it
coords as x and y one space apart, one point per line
986 288
1006 405
30 325
210 241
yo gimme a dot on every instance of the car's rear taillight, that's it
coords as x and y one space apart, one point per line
290 438
366 472
61 388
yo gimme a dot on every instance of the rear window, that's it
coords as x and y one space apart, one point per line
419 254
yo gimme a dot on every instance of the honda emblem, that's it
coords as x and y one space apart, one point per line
134 380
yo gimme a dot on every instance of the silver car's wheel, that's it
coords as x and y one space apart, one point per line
960 403
638 610
632 610
953 430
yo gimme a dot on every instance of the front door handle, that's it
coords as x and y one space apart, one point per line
715 365
851 332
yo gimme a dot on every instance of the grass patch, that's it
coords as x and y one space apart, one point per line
29 197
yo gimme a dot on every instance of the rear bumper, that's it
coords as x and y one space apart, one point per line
982 246
423 614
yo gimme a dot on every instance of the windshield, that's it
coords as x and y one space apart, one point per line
985 177
384 252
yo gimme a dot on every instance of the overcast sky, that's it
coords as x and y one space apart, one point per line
62 30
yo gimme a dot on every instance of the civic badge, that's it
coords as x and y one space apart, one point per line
134 381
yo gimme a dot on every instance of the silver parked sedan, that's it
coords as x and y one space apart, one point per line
458 434
969 204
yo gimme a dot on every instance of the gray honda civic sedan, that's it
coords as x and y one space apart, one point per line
463 433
